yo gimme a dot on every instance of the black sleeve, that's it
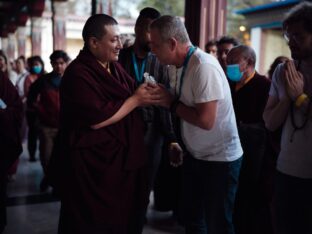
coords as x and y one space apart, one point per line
34 91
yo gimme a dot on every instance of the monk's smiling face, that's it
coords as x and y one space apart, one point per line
106 49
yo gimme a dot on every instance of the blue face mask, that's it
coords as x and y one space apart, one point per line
37 69
233 72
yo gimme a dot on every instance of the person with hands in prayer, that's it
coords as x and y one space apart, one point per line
289 106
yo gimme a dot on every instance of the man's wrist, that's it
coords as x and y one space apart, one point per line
300 99
135 100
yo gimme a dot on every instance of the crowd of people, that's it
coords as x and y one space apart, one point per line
106 119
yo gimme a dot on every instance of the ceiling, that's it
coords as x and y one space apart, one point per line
14 13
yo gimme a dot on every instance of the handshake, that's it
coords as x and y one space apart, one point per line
152 93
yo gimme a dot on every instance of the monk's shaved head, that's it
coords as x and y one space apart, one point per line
95 26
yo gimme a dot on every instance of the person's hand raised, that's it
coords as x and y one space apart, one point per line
293 80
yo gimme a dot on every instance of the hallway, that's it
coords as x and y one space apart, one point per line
32 212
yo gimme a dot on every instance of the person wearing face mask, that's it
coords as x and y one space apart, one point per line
249 88
250 92
44 98
36 69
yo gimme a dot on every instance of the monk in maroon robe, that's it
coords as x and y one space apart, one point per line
10 143
102 150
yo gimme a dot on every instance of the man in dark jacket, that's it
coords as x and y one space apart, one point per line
44 98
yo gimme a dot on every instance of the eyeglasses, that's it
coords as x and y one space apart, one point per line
298 38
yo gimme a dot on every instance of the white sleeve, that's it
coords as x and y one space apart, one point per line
207 84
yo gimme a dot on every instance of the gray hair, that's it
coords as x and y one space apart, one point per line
171 26
246 52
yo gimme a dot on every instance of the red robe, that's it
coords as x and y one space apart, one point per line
10 142
103 179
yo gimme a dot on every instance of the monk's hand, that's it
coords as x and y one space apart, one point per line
144 96
294 81
175 154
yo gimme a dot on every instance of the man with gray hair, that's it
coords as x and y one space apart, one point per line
200 96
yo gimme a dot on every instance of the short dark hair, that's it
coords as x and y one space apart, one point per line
276 62
57 54
94 26
228 40
301 13
22 58
36 58
147 13
210 43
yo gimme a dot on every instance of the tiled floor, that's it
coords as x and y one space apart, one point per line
32 212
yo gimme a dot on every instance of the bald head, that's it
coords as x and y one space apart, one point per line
242 53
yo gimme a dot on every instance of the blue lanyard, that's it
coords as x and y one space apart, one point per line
186 60
138 76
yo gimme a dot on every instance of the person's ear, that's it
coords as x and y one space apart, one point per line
172 43
249 63
93 42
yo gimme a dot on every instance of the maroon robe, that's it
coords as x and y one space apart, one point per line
10 142
103 179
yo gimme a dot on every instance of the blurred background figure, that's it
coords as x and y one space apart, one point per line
36 69
22 73
211 47
44 98
5 68
276 62
224 45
